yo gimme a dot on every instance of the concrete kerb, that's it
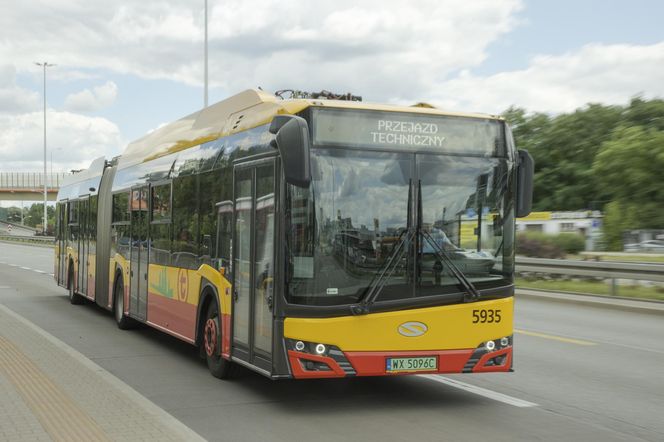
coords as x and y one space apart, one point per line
652 307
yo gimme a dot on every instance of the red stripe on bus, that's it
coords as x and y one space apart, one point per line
481 366
298 359
226 336
372 363
176 316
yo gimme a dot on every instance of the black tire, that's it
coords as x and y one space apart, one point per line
74 298
123 322
211 344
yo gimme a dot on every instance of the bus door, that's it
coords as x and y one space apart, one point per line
139 252
83 244
253 262
62 242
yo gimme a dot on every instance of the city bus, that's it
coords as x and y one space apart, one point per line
307 237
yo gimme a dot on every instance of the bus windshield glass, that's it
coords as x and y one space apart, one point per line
384 217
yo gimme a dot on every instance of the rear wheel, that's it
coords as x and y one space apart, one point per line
73 297
211 344
123 322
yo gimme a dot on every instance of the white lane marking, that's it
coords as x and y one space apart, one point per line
38 271
500 397
26 268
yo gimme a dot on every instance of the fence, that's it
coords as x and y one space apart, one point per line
30 180
604 270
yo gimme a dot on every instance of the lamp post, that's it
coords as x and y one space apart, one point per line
45 65
205 92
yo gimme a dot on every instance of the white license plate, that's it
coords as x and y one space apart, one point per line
424 363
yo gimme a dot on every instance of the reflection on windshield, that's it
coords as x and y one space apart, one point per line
347 225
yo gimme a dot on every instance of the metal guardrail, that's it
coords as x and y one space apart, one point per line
602 269
46 240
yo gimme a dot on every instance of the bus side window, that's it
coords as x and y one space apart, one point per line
225 234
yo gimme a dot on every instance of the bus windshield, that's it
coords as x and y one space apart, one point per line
344 230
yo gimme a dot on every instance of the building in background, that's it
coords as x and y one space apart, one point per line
585 222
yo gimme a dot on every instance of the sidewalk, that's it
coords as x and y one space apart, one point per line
610 302
49 391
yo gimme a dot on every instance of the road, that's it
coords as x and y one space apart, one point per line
582 373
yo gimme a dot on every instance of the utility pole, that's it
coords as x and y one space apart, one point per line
205 93
45 65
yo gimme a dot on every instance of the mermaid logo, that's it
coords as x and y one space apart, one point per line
412 329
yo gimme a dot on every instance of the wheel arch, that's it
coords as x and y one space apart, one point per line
71 273
209 293
117 273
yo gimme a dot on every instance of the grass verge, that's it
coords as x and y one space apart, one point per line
593 288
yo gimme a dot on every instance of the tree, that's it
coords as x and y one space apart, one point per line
629 167
35 215
564 148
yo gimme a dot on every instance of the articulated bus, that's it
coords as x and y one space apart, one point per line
307 237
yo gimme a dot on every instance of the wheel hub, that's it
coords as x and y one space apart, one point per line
210 339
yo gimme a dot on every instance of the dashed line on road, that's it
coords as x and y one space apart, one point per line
28 268
554 337
500 397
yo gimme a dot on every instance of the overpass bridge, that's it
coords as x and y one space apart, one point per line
29 186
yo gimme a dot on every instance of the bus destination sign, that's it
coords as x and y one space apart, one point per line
406 131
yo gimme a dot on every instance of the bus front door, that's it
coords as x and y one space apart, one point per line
83 245
139 253
253 262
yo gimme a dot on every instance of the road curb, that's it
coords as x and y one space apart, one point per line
632 305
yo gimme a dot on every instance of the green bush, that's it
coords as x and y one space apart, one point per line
542 245
571 243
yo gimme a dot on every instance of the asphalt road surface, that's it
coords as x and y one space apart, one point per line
582 373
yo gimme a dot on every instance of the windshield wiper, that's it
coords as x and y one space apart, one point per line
385 273
471 292
381 278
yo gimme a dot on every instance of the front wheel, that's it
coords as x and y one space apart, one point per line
211 344
123 322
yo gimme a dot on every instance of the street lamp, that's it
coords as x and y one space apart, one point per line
45 65
205 93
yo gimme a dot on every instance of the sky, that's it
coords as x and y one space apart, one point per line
124 68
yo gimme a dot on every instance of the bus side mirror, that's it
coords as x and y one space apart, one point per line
292 140
524 181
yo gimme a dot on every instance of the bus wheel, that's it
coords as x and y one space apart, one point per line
218 366
73 297
123 322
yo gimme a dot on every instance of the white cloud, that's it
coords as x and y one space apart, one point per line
381 49
92 100
74 139
595 73
12 97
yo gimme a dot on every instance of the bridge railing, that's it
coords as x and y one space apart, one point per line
30 180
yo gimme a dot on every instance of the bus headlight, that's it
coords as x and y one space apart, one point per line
320 349
299 346
490 345
504 342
